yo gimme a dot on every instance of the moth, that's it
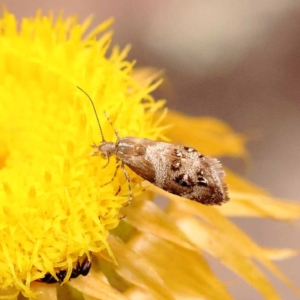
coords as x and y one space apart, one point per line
179 170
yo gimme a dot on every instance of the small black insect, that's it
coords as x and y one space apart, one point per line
82 268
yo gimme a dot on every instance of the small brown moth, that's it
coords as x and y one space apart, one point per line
180 170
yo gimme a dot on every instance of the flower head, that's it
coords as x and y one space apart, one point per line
53 207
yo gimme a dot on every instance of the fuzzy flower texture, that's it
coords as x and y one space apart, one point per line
54 205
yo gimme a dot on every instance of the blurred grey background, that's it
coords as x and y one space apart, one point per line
235 60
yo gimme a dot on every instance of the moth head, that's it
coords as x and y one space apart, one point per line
105 149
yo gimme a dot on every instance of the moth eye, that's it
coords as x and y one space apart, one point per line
184 180
103 155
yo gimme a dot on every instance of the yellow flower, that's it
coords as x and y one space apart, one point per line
54 205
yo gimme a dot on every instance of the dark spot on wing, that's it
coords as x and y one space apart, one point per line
189 149
177 153
176 164
201 180
184 180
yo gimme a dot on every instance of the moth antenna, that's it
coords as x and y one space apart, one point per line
93 105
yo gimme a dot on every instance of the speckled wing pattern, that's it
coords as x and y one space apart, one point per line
177 169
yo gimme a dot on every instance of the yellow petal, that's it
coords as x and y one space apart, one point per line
280 254
44 291
148 218
96 285
9 293
184 272
137 293
138 270
248 200
256 205
230 254
208 135
216 235
146 76
237 183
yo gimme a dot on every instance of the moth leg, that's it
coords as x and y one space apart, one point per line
115 174
129 186
106 163
110 122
